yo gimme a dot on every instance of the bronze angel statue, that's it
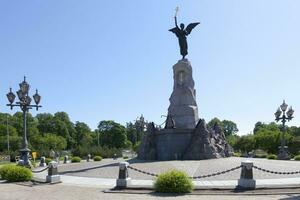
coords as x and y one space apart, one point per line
181 34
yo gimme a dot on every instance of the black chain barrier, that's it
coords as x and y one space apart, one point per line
194 177
40 170
274 172
217 173
143 172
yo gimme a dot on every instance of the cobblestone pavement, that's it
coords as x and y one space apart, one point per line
108 168
58 192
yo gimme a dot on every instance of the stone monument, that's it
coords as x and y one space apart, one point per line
185 136
183 107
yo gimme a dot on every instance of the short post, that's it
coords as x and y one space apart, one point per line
115 157
246 181
53 176
88 157
123 180
43 162
66 159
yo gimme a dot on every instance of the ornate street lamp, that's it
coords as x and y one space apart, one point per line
25 104
283 116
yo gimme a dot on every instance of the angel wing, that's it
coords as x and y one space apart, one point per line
190 27
175 30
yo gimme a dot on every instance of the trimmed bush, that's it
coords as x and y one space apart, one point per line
297 157
47 160
75 159
125 157
13 173
272 157
173 181
97 158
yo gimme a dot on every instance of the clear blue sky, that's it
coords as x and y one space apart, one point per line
100 60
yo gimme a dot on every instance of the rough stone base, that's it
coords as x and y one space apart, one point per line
171 143
184 144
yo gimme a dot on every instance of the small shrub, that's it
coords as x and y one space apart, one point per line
237 154
97 158
297 157
173 181
272 157
125 157
136 147
75 159
47 160
34 164
4 171
13 173
260 156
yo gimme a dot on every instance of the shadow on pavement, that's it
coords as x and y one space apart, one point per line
135 160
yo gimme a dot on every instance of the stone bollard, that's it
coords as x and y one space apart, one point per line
66 159
123 180
246 181
43 162
88 157
53 176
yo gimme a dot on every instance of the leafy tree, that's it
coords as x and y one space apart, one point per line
131 133
229 127
258 126
83 134
268 140
268 136
232 139
245 143
65 128
45 122
215 121
140 127
43 144
112 134
294 131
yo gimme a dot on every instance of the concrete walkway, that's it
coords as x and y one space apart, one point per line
148 184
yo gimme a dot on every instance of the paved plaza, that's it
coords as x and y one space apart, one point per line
93 180
59 191
109 168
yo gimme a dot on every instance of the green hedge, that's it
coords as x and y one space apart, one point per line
272 157
173 181
97 158
297 157
105 152
75 159
13 173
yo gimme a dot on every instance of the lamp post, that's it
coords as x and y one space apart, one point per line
283 116
24 104
7 132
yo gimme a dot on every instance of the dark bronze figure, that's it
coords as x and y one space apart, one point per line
181 34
